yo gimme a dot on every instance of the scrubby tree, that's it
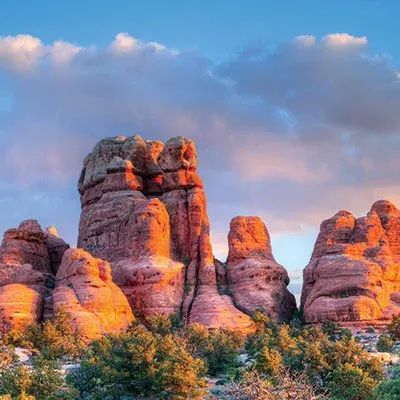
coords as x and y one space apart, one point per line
394 327
218 349
385 344
388 390
53 338
139 363
42 382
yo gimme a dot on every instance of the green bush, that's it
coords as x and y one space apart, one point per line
349 382
54 338
316 354
394 327
385 344
330 328
388 390
218 349
139 363
42 382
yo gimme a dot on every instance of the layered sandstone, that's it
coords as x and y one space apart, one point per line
85 289
144 211
354 271
25 268
255 280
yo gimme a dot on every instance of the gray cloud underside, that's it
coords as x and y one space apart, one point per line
292 133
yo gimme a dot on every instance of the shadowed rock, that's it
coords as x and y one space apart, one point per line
255 279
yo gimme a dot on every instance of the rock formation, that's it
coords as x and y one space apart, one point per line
56 248
144 248
84 289
29 262
25 267
255 279
144 211
354 271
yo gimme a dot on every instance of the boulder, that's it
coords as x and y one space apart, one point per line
19 306
28 259
85 289
26 245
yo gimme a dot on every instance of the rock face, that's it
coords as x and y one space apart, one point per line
85 289
354 271
25 245
144 211
19 306
255 279
26 263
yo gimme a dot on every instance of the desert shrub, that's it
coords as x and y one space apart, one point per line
53 338
139 363
345 334
318 355
385 344
388 390
218 349
254 386
19 397
42 382
330 328
158 323
394 371
349 382
7 355
268 361
394 327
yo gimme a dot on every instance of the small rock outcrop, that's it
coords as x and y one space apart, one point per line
255 279
56 248
84 288
144 211
25 274
354 271
24 245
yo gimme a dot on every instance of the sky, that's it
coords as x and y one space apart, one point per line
293 105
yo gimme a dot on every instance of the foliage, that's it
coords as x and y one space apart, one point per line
349 382
7 355
139 363
254 386
43 382
219 348
385 344
53 338
328 359
330 328
394 327
388 390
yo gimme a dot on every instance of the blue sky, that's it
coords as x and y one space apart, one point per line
214 28
310 124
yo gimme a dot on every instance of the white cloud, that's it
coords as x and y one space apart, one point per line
344 40
63 52
21 52
123 43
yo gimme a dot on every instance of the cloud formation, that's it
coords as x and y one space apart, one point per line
291 133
